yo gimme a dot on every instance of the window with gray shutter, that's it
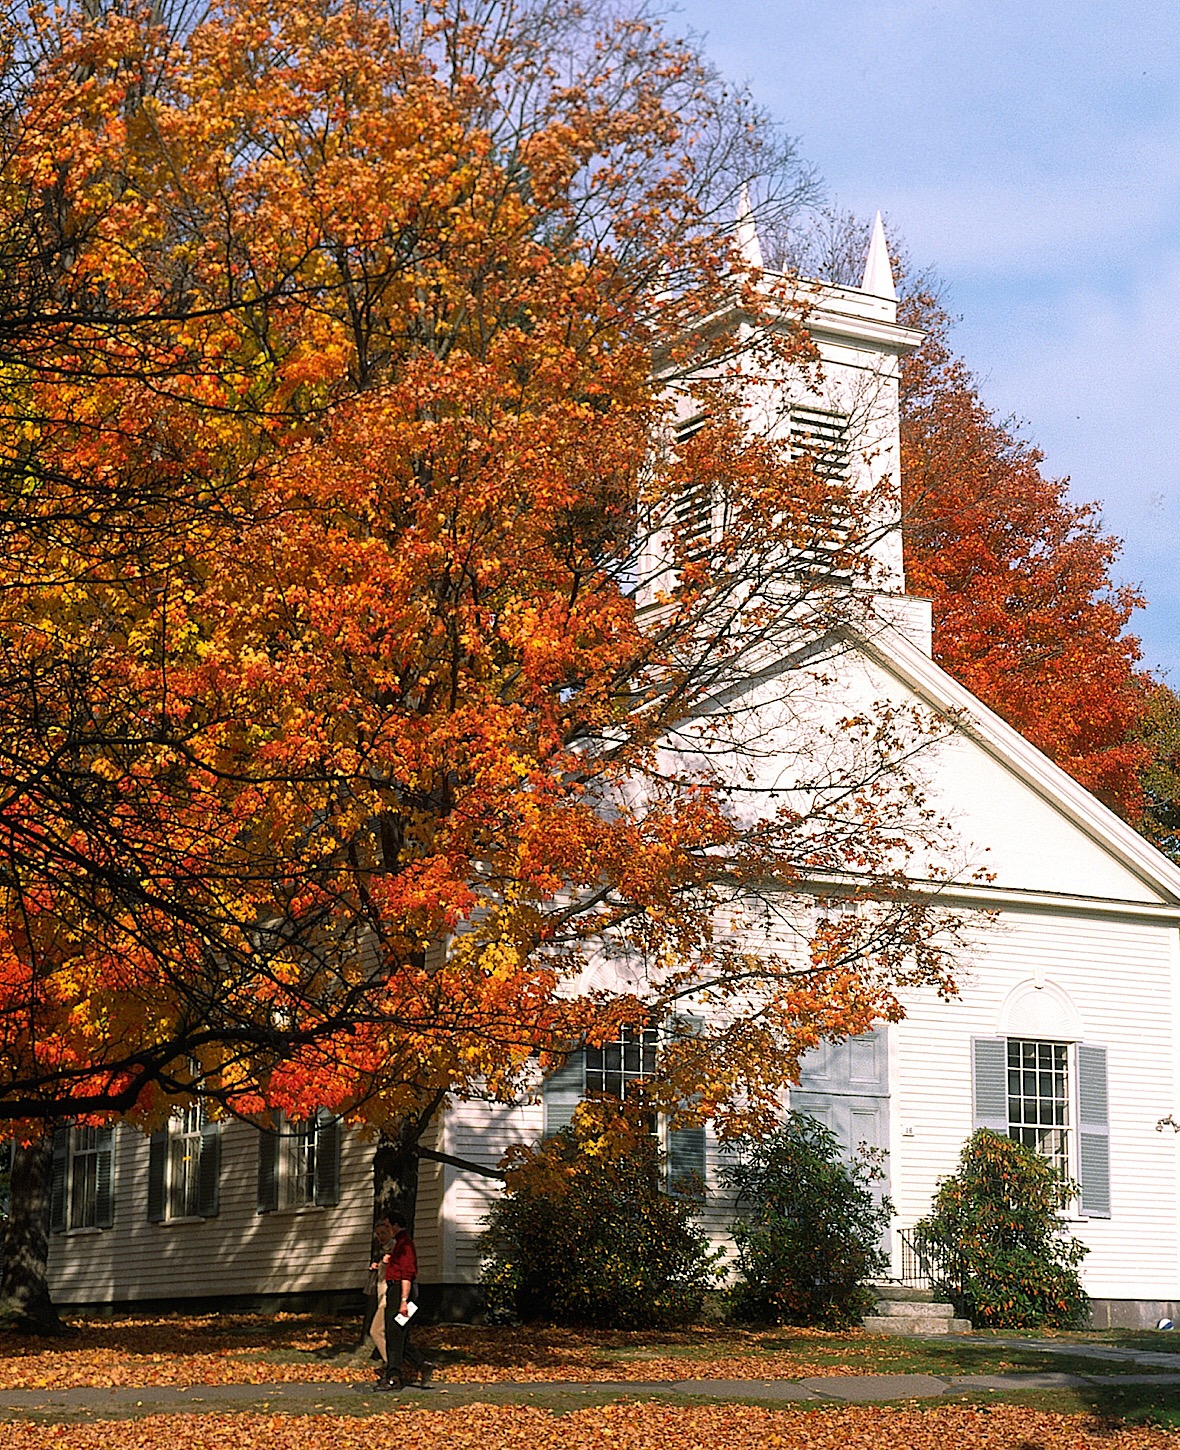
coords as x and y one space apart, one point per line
1039 1113
184 1167
327 1160
104 1195
990 1083
1093 1131
59 1179
157 1195
562 1090
692 512
83 1194
686 1161
686 1146
209 1190
268 1171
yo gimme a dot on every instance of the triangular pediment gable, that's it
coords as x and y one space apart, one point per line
1034 827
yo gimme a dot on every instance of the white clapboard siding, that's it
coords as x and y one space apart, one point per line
481 1132
1118 976
428 1212
239 1252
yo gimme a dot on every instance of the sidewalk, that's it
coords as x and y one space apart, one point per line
334 1398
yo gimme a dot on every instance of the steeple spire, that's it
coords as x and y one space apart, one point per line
878 277
745 233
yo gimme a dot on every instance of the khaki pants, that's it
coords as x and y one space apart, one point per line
377 1328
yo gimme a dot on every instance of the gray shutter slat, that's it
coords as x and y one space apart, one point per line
1093 1110
157 1207
990 1081
57 1189
1094 1172
268 1171
1093 1131
209 1172
327 1161
686 1161
686 1146
563 1090
104 1212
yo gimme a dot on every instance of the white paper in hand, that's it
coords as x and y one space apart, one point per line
411 1310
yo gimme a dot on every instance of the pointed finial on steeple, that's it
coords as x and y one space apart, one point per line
878 278
745 233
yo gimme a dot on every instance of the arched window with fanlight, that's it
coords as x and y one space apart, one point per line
1038 1081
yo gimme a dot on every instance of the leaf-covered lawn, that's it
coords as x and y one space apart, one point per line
260 1349
257 1349
472 1354
619 1427
209 1349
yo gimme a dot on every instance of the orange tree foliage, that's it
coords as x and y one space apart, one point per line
346 609
1025 612
1159 731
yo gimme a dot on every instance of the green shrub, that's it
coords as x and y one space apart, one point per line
999 1213
808 1231
585 1235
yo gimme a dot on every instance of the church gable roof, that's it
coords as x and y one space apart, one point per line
1083 825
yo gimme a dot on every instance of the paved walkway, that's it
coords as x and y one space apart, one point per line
1110 1353
55 1405
340 1399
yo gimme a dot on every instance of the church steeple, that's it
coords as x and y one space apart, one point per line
878 277
745 233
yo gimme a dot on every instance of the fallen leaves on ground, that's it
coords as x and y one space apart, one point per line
287 1348
492 1355
621 1427
204 1350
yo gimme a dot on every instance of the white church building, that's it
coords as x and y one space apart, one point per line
1065 1031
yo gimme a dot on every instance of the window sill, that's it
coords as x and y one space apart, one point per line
77 1233
186 1218
294 1212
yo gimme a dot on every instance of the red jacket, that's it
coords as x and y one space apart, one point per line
402 1260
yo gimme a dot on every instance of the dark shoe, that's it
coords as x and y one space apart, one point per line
425 1373
392 1386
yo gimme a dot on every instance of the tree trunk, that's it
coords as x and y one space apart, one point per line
395 1173
25 1304
395 1165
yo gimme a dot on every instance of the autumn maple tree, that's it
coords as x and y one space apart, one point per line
364 615
1159 733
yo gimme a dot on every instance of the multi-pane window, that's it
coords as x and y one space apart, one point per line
619 1067
82 1186
299 1163
184 1167
1038 1098
298 1169
184 1162
85 1148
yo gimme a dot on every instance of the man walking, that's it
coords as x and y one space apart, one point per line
400 1263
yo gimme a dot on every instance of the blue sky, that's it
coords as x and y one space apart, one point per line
1031 154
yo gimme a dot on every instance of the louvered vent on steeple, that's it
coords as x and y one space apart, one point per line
821 435
692 512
